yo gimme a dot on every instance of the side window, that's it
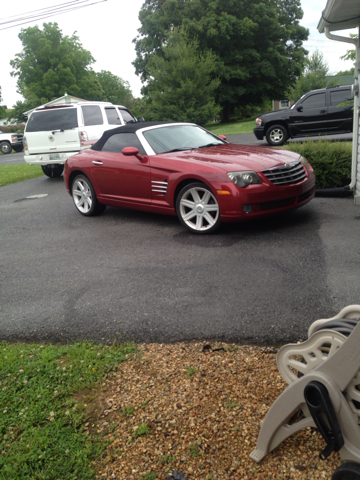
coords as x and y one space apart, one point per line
118 141
92 115
126 115
113 116
340 96
314 101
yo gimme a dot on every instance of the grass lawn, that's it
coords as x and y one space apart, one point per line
17 173
231 128
43 429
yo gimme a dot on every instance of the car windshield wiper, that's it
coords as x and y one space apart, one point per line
179 149
62 130
213 144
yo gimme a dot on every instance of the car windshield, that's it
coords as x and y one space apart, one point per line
175 138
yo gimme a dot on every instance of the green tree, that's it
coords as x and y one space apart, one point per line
116 90
350 54
180 86
51 64
2 108
258 43
314 76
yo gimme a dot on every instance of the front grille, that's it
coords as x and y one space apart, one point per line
290 173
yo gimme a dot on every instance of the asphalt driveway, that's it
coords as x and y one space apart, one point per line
143 277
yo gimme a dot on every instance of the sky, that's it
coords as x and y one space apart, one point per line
107 29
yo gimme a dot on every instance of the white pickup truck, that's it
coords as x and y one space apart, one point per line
11 141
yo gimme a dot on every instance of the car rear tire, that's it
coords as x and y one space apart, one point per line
198 209
53 172
276 135
18 149
5 148
84 197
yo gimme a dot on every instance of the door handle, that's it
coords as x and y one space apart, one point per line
322 111
97 163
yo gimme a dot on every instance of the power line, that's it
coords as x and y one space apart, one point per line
42 13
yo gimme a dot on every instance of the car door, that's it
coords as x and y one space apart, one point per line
310 115
340 117
122 180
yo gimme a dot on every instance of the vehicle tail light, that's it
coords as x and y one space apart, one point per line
83 137
25 143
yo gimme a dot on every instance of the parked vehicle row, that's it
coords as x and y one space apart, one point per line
326 111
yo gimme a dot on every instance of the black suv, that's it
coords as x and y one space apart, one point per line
316 113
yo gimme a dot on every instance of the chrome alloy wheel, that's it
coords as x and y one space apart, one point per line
277 135
199 209
82 195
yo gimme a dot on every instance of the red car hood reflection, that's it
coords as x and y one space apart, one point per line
236 157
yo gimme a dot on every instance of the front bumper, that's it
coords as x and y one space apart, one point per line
48 158
259 132
263 199
17 144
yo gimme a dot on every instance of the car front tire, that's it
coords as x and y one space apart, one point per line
53 172
276 135
5 148
198 209
84 197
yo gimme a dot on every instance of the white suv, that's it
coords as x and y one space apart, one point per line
53 134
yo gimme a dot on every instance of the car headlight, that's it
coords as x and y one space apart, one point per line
305 163
258 122
243 179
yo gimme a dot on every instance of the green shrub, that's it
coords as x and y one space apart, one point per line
330 160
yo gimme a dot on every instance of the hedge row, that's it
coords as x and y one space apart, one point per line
330 160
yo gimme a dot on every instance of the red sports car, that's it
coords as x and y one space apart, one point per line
182 169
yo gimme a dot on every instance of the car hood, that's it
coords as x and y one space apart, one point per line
232 157
283 113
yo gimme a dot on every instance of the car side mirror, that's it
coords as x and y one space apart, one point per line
132 151
140 119
223 137
300 108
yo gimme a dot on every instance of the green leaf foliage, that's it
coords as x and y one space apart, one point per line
314 76
181 87
115 89
350 54
257 43
330 160
51 64
2 108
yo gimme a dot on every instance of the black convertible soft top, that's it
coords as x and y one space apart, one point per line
128 128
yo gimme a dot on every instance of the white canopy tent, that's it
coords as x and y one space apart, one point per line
342 15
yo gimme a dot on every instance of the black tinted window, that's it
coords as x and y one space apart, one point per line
57 119
314 101
340 96
127 116
118 141
113 116
92 115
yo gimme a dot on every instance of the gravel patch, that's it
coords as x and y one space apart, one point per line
194 411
